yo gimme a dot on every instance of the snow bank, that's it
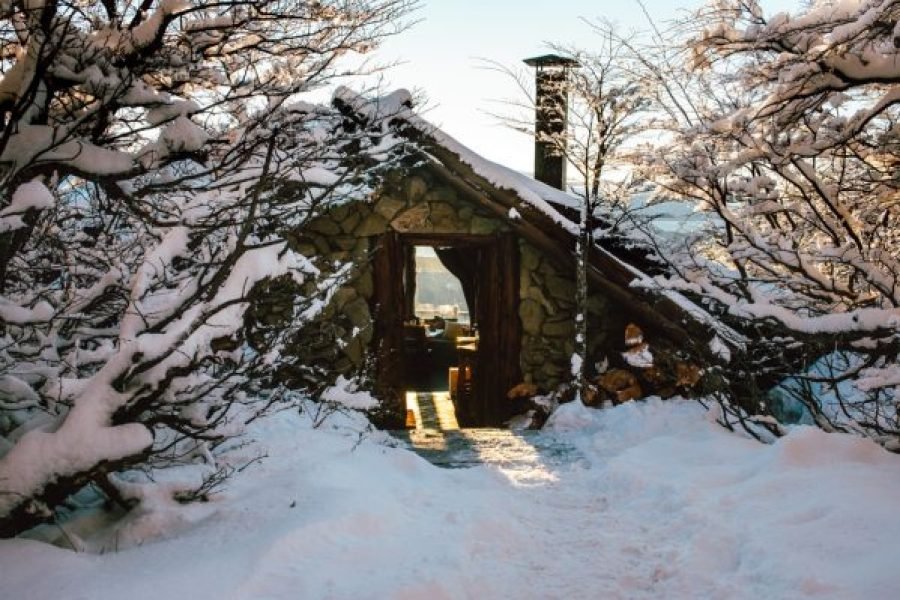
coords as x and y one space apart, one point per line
345 393
662 503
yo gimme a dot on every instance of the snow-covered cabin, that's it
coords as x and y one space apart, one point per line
510 241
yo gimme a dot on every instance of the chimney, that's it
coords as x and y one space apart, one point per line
551 116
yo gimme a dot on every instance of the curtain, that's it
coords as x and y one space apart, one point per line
464 264
409 279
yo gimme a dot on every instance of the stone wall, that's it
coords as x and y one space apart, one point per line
421 203
547 312
417 203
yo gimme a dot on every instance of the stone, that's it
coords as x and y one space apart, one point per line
349 223
366 334
532 315
343 365
340 212
374 224
416 219
355 351
328 312
530 257
345 243
343 296
465 213
444 218
532 355
441 194
305 248
323 248
482 226
560 288
358 313
325 226
559 329
364 284
362 248
415 188
537 294
388 207
547 268
551 369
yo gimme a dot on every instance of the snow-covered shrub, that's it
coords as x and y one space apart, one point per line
786 130
152 158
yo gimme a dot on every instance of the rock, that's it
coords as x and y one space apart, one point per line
340 212
358 313
415 219
532 315
374 224
531 260
561 288
441 194
362 248
349 223
323 248
551 369
324 225
355 351
388 207
547 268
305 248
344 365
364 284
345 243
415 188
343 296
537 294
366 334
444 218
559 329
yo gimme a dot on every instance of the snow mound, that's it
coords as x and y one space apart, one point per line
666 505
808 446
345 393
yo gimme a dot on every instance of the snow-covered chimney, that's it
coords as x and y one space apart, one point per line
551 115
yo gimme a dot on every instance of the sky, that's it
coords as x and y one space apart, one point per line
443 56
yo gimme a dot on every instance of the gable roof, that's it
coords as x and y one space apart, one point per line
543 215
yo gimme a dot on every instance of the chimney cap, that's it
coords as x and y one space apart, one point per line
552 60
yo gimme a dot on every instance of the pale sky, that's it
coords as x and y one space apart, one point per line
441 57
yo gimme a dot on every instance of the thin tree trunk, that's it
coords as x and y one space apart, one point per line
580 357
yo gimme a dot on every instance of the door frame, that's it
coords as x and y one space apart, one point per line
498 366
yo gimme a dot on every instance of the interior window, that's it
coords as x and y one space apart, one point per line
438 292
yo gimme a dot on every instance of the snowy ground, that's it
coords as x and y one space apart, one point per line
657 502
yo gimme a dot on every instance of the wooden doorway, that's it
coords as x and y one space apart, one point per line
488 269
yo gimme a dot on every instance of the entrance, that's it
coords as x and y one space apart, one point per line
471 353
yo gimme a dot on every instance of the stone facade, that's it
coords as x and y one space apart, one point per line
422 204
547 312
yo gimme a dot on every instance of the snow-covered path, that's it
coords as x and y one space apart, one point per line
651 502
